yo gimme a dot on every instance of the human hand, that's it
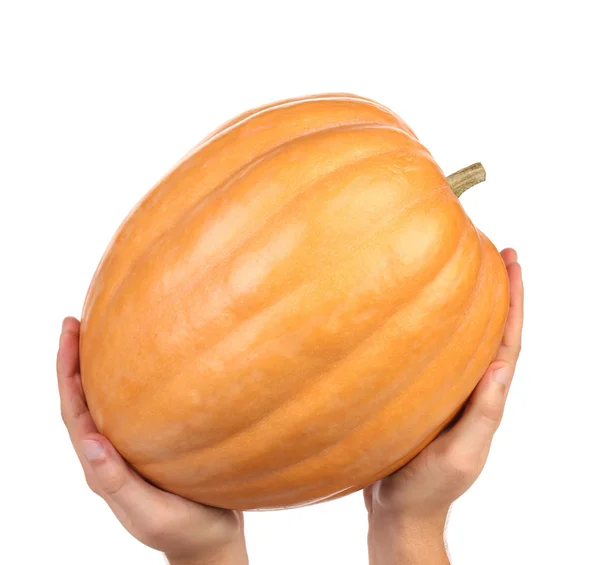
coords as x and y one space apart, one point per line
408 509
188 533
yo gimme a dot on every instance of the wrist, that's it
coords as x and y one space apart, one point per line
233 554
214 559
408 539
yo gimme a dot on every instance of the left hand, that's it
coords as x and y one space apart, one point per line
187 532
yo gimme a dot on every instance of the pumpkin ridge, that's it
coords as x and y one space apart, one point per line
280 210
384 401
149 251
371 235
277 104
442 391
406 458
159 189
237 175
290 102
142 258
114 295
401 126
441 268
282 147
235 431
141 398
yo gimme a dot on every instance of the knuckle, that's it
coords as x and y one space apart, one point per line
112 483
490 413
158 527
459 464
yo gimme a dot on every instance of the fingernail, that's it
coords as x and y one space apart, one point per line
64 324
92 450
502 376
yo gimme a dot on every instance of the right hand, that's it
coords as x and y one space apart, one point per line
415 500
188 533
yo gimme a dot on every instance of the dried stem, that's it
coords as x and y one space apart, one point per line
462 180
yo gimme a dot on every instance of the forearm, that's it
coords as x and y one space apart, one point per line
396 540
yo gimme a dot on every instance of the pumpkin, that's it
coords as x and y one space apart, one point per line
294 311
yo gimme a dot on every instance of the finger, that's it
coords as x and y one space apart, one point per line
511 341
108 475
119 485
67 358
509 255
512 335
486 396
74 410
471 436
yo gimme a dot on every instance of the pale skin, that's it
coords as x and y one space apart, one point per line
407 510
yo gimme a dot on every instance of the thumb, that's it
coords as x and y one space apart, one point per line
110 477
474 431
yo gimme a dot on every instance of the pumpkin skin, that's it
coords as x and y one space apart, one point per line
293 312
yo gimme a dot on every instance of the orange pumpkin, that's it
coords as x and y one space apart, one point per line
293 312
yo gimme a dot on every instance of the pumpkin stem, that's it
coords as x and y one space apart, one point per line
462 180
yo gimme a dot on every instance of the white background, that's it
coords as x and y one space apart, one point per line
100 99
